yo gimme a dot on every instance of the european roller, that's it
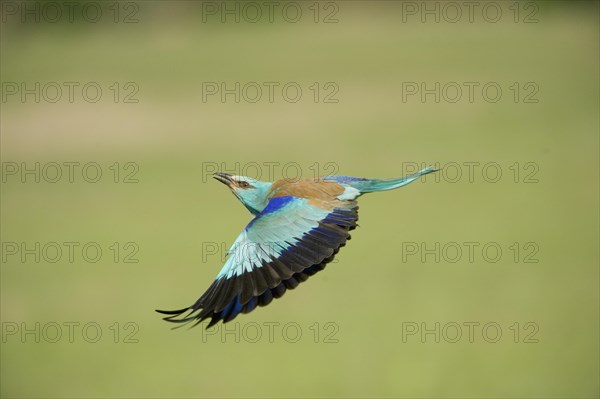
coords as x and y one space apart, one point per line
298 227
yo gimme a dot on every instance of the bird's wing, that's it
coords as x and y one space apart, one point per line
290 240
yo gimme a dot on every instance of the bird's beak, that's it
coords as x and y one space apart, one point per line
224 178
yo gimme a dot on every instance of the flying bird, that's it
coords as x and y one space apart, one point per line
298 227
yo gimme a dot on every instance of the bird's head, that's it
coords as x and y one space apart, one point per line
251 192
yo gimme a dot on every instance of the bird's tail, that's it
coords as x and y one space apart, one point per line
372 185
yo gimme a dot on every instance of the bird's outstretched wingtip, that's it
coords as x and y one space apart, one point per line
171 312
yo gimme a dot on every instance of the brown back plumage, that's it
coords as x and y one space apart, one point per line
319 193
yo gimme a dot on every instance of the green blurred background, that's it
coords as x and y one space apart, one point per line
374 291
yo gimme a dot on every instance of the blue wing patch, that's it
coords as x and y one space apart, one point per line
277 203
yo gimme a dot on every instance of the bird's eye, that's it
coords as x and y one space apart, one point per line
243 184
